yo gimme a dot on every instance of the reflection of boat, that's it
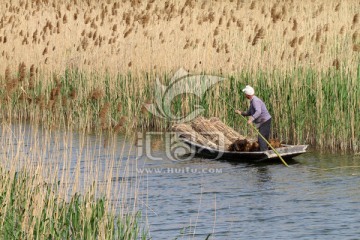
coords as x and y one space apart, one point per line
286 152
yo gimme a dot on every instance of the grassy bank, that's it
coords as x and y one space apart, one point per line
32 209
65 185
308 106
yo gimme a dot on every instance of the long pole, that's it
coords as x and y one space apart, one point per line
252 125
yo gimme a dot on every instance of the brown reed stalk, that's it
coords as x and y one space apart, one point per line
127 32
84 43
355 19
293 42
322 48
45 51
73 94
120 124
32 76
354 37
65 20
103 115
336 64
295 25
282 55
119 107
259 35
216 31
285 31
337 7
252 5
220 21
55 92
301 39
342 30
275 14
96 94
326 27
10 85
7 74
22 72
93 24
356 47
51 106
318 35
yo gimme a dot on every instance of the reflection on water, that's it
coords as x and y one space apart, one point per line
317 197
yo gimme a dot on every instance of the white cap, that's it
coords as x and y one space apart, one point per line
248 90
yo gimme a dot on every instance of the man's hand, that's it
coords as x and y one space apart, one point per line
251 119
238 112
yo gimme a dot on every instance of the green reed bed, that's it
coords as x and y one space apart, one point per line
308 106
32 209
53 186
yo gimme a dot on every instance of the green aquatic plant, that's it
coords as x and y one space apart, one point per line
307 106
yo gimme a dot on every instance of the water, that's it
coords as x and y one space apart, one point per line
317 197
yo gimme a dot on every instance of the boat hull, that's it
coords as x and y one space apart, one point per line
286 152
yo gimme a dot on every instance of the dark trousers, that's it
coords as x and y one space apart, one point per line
264 130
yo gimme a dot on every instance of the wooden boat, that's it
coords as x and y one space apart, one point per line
286 152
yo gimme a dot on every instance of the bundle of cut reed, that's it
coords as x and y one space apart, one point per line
210 132
228 132
188 132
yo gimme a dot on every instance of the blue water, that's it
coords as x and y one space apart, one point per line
317 197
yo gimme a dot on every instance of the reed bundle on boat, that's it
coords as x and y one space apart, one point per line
215 134
207 129
229 132
188 132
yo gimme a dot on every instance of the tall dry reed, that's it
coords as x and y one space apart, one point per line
121 36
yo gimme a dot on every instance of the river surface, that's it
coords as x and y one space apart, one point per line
317 197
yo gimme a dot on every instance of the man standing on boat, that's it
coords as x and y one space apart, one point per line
259 115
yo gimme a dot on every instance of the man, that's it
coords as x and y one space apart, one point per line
259 115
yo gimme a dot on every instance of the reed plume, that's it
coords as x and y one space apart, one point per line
293 42
337 7
336 64
355 37
7 74
22 72
355 19
96 94
295 25
65 20
259 35
356 47
103 115
119 126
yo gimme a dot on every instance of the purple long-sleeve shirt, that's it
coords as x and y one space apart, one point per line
258 111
